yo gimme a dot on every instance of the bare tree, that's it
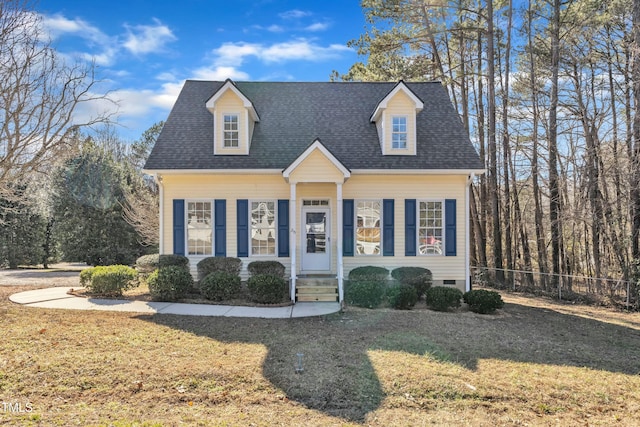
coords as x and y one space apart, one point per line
141 211
40 95
142 199
635 155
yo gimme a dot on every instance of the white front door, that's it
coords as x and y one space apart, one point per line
316 240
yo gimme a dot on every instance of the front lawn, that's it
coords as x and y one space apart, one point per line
537 362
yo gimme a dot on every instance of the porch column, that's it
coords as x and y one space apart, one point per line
339 245
292 239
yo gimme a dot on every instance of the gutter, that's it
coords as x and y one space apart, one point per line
158 179
468 232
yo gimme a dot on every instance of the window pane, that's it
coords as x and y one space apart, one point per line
230 130
368 219
399 132
263 228
430 228
199 228
315 229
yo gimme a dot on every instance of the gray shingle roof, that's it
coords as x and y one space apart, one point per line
293 115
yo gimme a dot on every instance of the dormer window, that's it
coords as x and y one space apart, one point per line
234 119
395 117
231 133
399 132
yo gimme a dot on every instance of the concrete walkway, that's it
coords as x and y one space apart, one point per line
59 298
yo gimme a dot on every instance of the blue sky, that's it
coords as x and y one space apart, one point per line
145 50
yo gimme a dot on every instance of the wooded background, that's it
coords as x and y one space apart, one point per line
548 91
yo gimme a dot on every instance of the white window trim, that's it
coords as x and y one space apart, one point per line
406 133
186 227
275 218
321 205
239 121
442 219
355 230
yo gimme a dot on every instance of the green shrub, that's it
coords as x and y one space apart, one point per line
369 273
402 296
418 277
272 268
483 301
220 286
364 293
149 263
219 264
442 298
109 280
265 289
169 283
85 276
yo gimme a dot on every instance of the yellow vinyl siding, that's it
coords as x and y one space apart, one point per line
400 105
358 187
228 187
419 187
316 168
230 103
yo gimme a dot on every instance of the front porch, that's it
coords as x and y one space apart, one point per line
314 207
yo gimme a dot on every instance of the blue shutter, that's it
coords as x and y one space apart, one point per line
387 227
243 228
450 227
220 227
347 227
410 235
283 228
178 227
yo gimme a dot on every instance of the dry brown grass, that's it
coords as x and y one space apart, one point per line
535 363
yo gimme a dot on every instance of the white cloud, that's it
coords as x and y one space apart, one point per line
58 25
275 28
233 54
318 26
166 97
143 39
219 73
105 58
166 76
294 14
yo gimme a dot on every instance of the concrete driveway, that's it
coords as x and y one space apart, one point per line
67 274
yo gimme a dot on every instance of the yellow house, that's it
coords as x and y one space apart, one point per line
323 177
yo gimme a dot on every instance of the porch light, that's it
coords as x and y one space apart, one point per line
299 367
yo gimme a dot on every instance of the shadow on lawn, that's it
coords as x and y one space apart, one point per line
340 380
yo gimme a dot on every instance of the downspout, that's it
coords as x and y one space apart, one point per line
467 242
158 180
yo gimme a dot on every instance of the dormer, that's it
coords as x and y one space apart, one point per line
395 119
234 118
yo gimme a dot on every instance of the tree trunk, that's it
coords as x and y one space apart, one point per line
635 183
506 151
493 155
535 174
555 207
